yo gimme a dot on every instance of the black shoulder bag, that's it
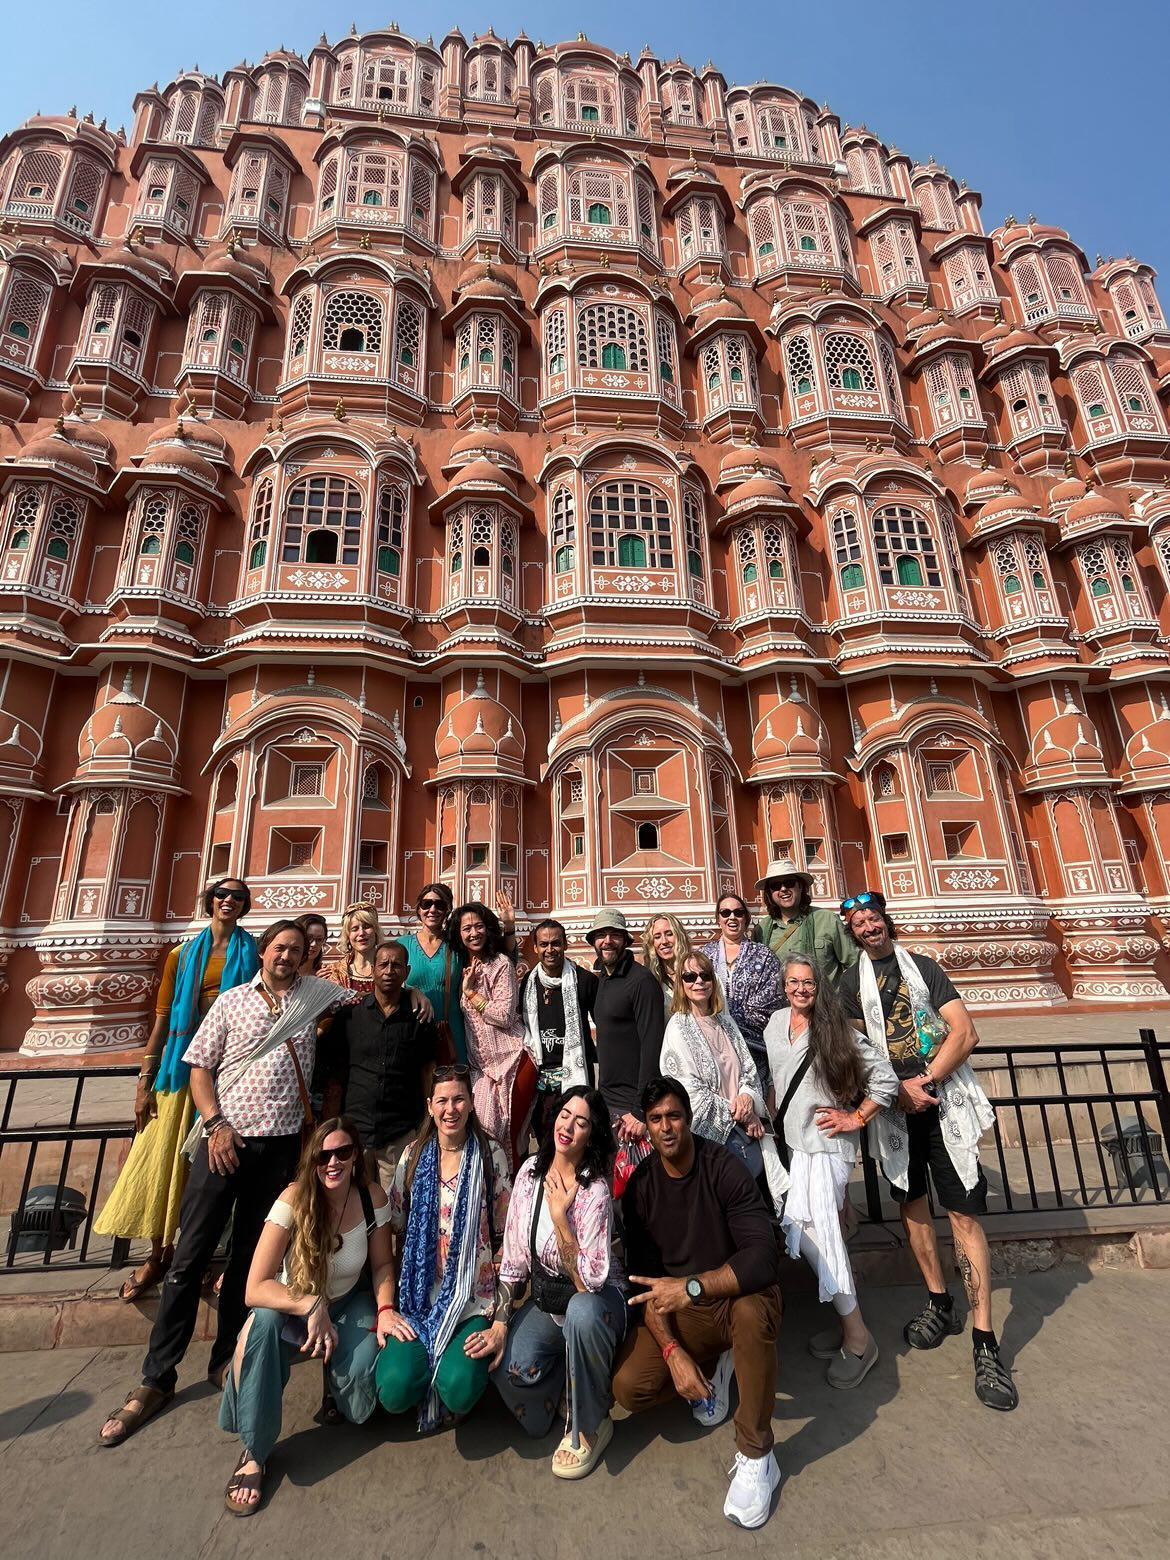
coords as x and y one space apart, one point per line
794 1083
548 1294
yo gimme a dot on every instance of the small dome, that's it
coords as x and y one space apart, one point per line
1068 738
124 735
941 330
1066 492
180 457
922 321
714 303
1092 509
193 432
1149 748
744 461
241 266
990 339
985 485
482 444
791 729
480 727
153 271
1008 505
57 449
481 474
482 280
761 488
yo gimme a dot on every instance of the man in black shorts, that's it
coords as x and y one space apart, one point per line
925 1055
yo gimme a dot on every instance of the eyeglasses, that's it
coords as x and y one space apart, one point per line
237 894
343 1154
859 901
431 904
800 985
692 977
732 913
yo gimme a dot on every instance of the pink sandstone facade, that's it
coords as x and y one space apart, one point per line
563 474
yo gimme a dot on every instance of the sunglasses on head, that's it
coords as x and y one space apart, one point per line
859 901
452 1074
343 1154
237 894
730 912
691 977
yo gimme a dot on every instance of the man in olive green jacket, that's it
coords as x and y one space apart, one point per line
791 925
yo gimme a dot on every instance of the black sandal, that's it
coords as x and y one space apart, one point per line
932 1324
240 1482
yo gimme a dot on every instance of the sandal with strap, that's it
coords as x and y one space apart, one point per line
241 1483
143 1279
932 1324
147 1400
585 1459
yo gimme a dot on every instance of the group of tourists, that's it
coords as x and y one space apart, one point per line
358 1131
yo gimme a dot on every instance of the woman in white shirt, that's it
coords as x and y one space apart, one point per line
705 1051
321 1282
827 1083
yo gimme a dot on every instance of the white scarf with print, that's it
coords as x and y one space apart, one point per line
573 1066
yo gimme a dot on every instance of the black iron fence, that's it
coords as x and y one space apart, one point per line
1079 1126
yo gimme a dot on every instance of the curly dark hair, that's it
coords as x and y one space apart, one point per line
491 925
226 882
599 1150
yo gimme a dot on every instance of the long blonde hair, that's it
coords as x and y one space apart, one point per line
366 915
650 956
314 1240
682 1003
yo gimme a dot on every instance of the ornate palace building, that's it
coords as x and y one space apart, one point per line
566 474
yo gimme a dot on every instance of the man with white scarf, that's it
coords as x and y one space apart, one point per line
555 1001
911 1013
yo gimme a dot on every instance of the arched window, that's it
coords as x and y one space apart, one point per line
693 532
905 548
611 325
745 550
322 521
408 337
555 341
564 530
630 526
26 308
847 551
152 527
647 836
353 322
260 525
600 214
64 520
800 365
848 362
391 530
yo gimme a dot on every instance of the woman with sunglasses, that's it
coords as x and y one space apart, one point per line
749 974
505 1073
664 942
448 1206
558 1244
827 1083
321 1283
316 930
436 970
705 1051
354 968
144 1203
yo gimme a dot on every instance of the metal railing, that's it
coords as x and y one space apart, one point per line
1079 1147
73 1147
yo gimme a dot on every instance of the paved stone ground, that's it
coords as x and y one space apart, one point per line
908 1466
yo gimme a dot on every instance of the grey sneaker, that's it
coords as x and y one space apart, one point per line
826 1345
848 1370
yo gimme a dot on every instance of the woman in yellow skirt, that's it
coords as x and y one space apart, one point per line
144 1204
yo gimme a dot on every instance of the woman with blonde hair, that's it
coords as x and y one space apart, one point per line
321 1283
359 937
665 941
704 1049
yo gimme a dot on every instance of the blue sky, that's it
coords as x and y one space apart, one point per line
1045 107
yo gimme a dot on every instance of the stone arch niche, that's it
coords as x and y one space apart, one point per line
947 842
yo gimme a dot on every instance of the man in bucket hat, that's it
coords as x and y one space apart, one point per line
791 925
629 1022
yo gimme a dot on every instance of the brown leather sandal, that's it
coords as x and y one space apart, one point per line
147 1402
241 1482
151 1273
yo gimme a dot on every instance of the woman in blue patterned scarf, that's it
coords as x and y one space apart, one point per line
448 1206
144 1204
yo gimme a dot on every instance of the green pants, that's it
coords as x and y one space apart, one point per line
403 1373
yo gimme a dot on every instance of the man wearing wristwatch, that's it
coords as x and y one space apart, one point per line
701 1250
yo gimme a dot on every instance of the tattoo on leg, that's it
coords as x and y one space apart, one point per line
967 1270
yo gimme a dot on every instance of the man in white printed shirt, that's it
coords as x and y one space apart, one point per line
247 1153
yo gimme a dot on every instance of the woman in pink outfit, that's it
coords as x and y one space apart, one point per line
503 1072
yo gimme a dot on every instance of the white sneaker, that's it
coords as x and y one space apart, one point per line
711 1411
749 1500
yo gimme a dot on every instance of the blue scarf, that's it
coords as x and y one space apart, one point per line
240 964
422 1244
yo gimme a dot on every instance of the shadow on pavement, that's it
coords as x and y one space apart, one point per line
41 1413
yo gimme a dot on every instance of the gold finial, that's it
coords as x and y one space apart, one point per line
339 411
59 426
619 425
364 241
604 262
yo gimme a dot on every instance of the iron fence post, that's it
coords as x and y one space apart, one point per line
1157 1073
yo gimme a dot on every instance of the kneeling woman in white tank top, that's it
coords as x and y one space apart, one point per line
828 1082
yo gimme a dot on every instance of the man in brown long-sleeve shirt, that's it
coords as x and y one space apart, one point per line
699 1242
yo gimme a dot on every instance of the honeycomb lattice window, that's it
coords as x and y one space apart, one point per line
849 362
353 322
555 341
609 325
408 335
801 375
152 526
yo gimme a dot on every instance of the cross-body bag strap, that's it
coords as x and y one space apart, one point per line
306 1102
794 1083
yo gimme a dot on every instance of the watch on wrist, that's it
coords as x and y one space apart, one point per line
694 1289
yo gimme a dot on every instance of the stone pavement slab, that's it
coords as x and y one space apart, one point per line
910 1465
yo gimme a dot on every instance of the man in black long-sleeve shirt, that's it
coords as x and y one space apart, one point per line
629 1020
700 1244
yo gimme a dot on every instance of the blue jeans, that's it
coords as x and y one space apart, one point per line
748 1149
539 1356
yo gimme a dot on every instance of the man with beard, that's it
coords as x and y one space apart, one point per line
790 924
556 998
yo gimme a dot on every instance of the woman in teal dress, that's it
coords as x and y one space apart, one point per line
435 969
